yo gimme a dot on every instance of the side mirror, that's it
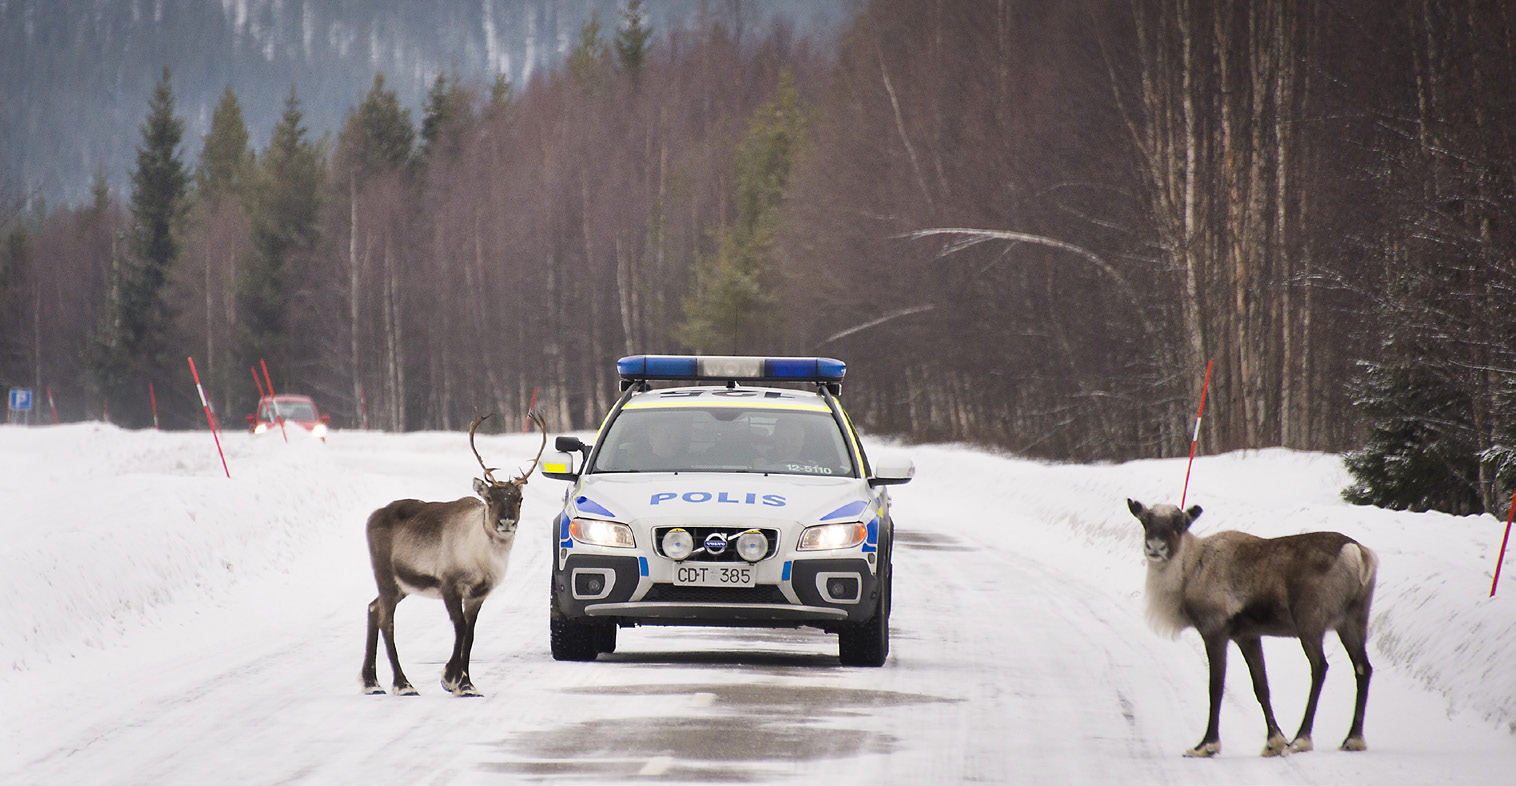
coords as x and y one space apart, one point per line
893 471
560 465
326 418
251 419
568 444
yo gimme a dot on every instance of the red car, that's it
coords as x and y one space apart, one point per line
293 411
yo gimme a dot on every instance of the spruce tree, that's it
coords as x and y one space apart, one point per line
386 133
227 160
285 206
590 56
633 39
731 306
132 349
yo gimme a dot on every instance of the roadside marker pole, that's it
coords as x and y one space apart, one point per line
277 416
1204 386
153 397
1503 541
527 428
52 406
256 380
209 421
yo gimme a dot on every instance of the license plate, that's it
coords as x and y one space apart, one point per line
713 575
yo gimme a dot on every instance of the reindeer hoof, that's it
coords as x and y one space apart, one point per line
1204 750
461 688
373 690
406 690
1302 745
1276 746
1354 744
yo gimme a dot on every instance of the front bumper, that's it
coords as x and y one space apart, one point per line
810 592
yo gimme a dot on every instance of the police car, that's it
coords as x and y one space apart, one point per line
743 499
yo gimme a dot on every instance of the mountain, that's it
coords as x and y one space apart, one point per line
76 75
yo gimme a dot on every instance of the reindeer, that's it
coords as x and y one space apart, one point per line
453 550
1232 586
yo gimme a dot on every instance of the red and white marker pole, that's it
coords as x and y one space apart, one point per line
52 406
527 427
1503 542
1196 438
208 419
152 396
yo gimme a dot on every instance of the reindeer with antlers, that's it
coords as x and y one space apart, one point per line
456 551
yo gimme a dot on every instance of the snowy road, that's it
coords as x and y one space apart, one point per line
1019 652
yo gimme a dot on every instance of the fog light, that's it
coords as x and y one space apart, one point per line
678 544
839 587
593 583
752 545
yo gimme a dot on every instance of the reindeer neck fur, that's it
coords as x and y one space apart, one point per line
1165 587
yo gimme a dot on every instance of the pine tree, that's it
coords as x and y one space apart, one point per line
132 348
732 306
285 207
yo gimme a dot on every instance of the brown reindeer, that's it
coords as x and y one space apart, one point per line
456 551
1232 586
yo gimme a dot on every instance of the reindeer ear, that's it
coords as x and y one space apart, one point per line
479 487
1135 506
1193 513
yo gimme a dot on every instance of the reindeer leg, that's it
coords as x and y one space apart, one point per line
1215 652
1310 641
1252 652
369 674
471 608
455 675
1354 635
387 605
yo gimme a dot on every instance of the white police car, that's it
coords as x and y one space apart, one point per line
736 503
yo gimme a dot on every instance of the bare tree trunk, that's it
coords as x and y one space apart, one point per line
354 280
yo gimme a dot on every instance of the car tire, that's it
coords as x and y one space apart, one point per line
868 643
605 637
570 639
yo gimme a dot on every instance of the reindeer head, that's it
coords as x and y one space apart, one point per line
502 500
1162 527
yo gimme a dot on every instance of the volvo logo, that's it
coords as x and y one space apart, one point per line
715 543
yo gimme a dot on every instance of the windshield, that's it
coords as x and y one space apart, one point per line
296 410
724 439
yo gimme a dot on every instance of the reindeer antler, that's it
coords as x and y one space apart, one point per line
541 426
488 471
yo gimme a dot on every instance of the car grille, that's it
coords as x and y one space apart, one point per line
731 533
669 593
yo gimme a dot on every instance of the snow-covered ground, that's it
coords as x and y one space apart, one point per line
165 624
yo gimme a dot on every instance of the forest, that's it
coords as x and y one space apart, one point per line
1027 225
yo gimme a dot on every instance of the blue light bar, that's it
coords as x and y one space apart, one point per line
730 368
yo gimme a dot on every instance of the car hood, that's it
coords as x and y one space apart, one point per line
721 498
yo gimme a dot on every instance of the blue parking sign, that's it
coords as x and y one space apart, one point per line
21 399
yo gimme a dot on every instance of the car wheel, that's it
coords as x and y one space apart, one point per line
571 639
868 643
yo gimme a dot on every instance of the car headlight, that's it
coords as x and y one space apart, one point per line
678 544
832 536
752 545
318 430
602 533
